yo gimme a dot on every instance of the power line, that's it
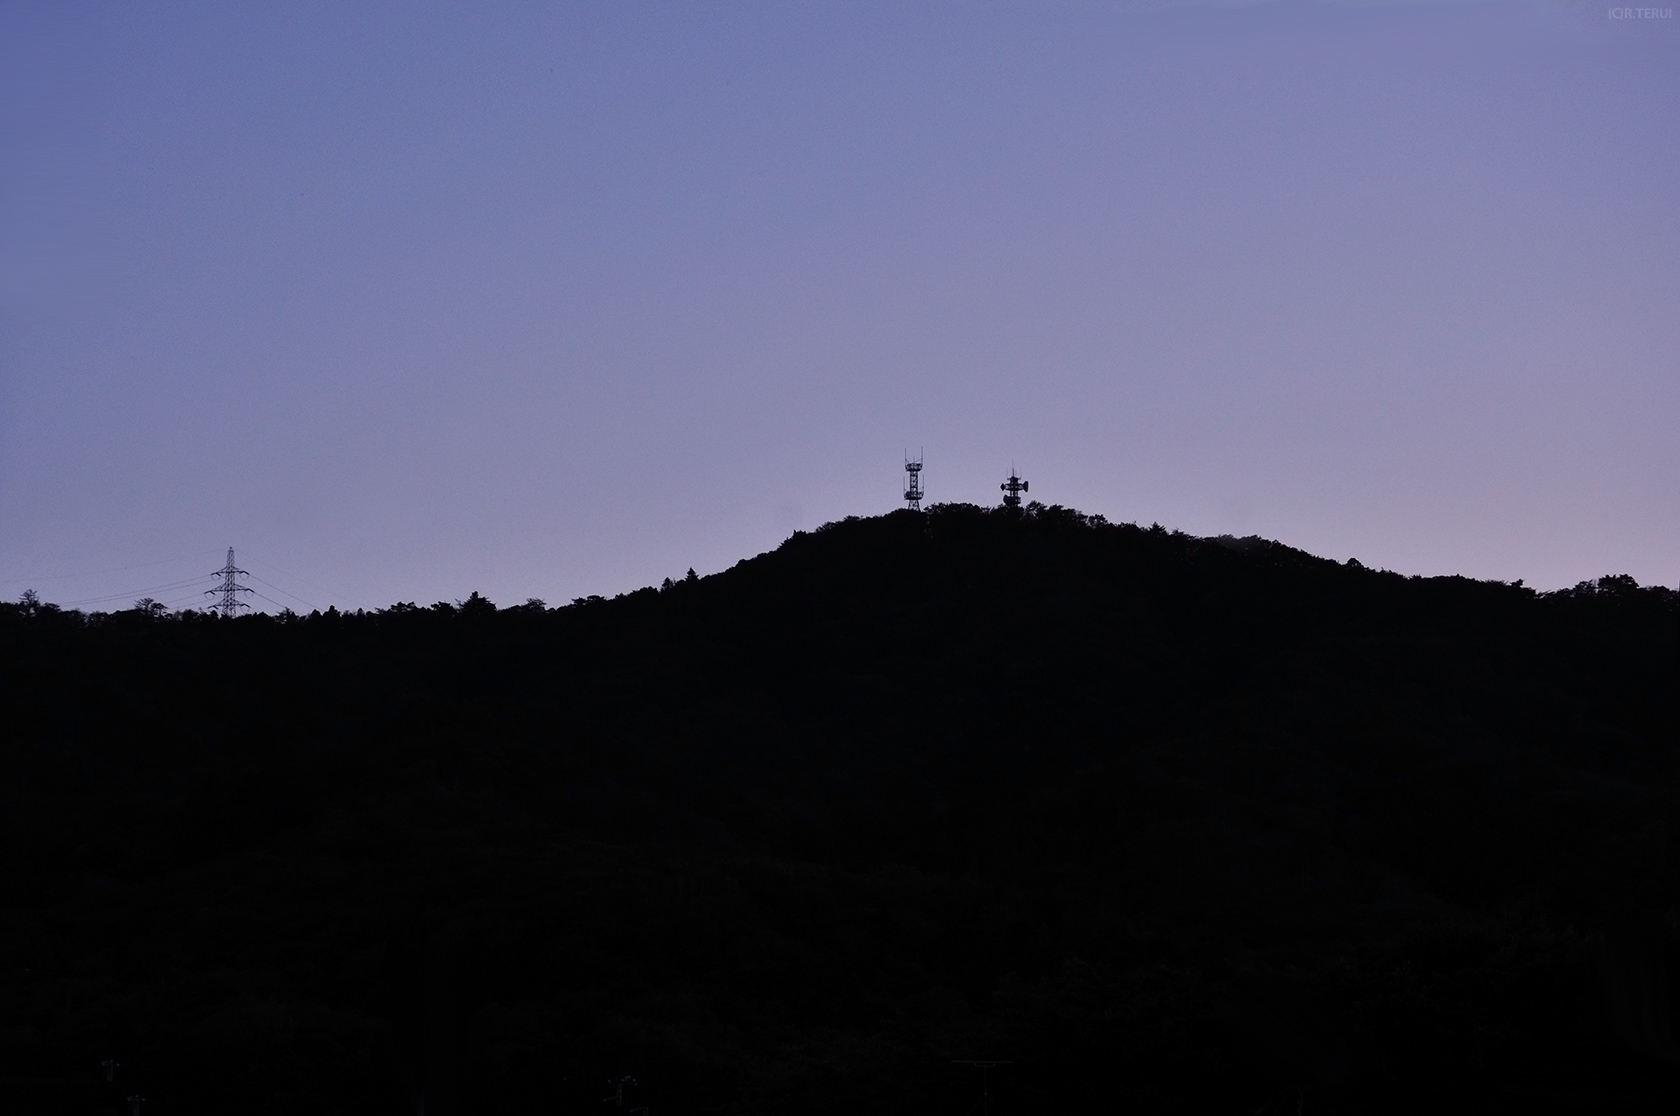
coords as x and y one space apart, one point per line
275 603
277 589
130 593
171 587
300 581
99 573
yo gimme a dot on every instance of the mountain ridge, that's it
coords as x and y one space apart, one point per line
1228 817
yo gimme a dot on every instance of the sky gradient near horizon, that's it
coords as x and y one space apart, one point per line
407 301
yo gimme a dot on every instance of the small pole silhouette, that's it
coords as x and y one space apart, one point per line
109 1065
229 589
136 1100
618 1084
985 1069
1012 489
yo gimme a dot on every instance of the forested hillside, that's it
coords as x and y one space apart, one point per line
1164 823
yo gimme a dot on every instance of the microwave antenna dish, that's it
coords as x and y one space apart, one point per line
1012 489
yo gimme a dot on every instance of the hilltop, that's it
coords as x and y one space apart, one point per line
1195 824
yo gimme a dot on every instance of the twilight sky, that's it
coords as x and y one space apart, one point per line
405 301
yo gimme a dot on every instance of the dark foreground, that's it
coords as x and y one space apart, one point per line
1164 823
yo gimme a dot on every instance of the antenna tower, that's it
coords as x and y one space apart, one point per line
229 589
618 1085
1012 489
913 487
985 1068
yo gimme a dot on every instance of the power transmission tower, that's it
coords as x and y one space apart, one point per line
229 589
1012 489
913 487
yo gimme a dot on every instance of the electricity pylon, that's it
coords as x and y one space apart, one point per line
229 589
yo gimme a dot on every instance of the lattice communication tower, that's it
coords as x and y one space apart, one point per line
985 1069
1012 489
913 487
229 589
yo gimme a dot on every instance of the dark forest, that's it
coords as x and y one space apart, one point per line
1157 823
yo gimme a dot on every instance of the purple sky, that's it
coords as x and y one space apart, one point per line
407 301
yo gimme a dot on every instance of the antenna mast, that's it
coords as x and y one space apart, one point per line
985 1068
913 487
229 589
1012 489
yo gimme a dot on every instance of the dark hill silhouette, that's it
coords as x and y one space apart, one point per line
1166 823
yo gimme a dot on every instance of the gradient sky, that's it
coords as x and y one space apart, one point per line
405 301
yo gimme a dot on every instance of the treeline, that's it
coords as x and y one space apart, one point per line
1190 824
